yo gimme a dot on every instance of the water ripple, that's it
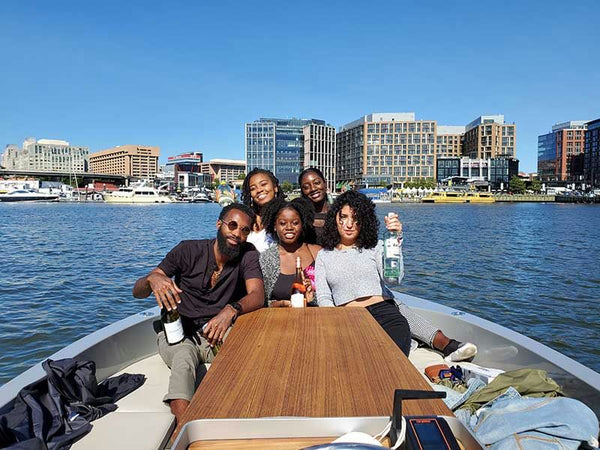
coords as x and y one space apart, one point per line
69 269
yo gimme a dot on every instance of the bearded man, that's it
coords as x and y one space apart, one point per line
215 281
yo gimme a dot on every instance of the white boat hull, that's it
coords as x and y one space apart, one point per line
108 198
133 340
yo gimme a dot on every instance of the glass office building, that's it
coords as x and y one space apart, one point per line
547 157
277 145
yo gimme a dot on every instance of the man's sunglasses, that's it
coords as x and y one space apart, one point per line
233 225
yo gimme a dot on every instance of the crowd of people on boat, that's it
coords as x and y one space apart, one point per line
252 261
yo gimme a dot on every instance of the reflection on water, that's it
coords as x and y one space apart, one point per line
69 268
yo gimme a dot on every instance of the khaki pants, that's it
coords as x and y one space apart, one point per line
184 360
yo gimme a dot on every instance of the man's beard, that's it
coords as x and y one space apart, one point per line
228 251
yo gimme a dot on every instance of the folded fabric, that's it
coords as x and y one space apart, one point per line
512 421
57 410
529 382
455 398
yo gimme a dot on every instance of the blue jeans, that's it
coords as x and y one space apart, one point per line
511 421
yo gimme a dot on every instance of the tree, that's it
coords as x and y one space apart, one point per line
216 183
536 186
241 176
287 187
516 185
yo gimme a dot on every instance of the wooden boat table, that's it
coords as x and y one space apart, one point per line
309 362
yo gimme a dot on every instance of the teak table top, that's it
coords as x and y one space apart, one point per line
310 362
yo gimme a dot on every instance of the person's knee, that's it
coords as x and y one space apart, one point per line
186 358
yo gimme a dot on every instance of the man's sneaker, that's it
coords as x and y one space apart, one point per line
459 351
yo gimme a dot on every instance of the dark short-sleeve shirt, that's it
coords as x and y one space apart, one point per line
192 263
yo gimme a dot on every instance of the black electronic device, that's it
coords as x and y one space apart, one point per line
424 432
429 433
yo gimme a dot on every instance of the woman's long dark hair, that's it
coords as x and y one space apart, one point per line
304 209
247 198
364 214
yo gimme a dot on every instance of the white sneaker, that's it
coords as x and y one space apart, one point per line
464 351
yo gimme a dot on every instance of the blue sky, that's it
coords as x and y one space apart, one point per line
186 76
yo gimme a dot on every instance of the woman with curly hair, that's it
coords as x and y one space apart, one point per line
314 188
259 188
290 225
350 242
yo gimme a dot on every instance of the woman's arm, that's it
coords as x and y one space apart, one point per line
324 297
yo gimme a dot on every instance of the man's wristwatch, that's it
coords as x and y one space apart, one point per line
238 309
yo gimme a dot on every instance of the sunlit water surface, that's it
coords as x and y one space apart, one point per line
68 269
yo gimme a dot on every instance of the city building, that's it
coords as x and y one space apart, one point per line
592 154
385 148
277 145
546 163
449 141
319 151
495 172
560 152
134 161
227 170
46 155
489 137
185 170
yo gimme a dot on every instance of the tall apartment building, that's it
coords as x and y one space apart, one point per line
134 161
592 153
489 137
277 145
47 155
449 141
319 151
386 148
560 152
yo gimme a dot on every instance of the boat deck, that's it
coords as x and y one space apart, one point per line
144 421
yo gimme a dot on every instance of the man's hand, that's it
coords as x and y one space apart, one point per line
215 329
165 290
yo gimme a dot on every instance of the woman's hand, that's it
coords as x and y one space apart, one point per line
393 223
281 304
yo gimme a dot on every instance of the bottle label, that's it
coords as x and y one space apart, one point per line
392 249
297 300
174 332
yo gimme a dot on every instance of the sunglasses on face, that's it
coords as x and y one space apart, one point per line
233 225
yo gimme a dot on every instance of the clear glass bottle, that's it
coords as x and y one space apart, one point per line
391 257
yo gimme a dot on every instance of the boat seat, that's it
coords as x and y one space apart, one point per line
423 357
142 420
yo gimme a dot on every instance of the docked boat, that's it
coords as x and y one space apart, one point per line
444 197
28 195
479 197
143 421
140 194
198 196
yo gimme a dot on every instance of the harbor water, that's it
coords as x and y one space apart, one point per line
68 268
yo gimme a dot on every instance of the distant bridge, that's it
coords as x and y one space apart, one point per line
86 177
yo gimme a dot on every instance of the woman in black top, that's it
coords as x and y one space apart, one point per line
314 188
290 225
